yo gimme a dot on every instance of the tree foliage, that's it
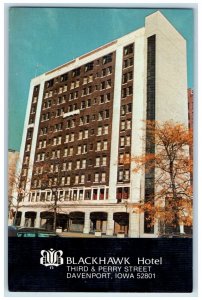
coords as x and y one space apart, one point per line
171 202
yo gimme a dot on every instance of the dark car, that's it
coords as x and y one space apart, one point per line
12 230
35 232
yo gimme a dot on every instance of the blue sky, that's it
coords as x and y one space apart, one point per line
48 37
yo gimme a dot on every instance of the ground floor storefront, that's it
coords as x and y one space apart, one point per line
108 219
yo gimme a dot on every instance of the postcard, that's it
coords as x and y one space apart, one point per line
100 150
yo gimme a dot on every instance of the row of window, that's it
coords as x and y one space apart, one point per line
80 194
65 180
80 164
76 72
81 149
85 91
84 104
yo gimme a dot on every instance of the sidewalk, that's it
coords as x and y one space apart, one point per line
82 235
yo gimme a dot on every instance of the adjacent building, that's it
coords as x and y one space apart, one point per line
190 108
84 121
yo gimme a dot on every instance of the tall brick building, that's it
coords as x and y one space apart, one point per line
85 118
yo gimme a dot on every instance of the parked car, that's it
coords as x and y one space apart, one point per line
12 231
35 232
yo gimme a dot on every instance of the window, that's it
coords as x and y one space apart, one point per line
54 141
83 104
89 67
58 153
122 141
130 90
128 124
108 84
76 179
108 97
69 166
98 146
105 145
84 148
85 80
71 151
82 178
121 158
106 129
120 176
68 180
127 175
76 72
59 140
63 180
64 77
109 70
78 164
97 162
122 125
80 135
84 92
67 138
100 116
77 83
103 178
102 99
127 140
107 59
129 107
104 72
124 93
83 163
128 49
71 96
130 75
64 166
72 137
85 134
79 150
103 85
99 131
90 89
123 110
104 160
88 103
65 152
125 78
28 147
125 63
87 119
96 177
107 114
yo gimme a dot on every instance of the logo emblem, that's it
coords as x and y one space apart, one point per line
51 258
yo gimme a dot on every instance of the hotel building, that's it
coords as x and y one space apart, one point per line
84 121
